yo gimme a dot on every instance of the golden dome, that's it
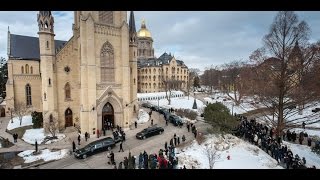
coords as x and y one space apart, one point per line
143 32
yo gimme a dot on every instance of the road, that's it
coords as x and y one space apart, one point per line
150 145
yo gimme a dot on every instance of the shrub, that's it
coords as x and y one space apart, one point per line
186 113
37 119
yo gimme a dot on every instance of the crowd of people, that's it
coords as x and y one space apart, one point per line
266 139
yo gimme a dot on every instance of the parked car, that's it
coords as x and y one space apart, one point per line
150 131
146 105
95 147
177 121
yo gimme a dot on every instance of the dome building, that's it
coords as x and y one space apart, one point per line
145 42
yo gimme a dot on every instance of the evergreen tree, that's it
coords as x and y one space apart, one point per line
220 118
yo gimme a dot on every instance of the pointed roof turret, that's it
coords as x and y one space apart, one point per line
132 24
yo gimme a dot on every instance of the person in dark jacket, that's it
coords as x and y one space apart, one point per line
165 145
73 146
36 145
126 163
79 139
135 124
121 149
309 141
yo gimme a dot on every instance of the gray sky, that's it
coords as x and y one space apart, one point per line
199 38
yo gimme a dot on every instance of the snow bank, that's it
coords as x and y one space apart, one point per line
304 151
45 154
156 95
33 135
143 116
243 155
26 121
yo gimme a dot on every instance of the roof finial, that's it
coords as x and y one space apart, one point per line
143 23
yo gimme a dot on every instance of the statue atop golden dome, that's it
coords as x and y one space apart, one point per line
143 32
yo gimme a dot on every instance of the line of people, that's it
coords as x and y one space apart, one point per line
265 138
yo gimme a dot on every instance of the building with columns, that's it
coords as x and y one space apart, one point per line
87 81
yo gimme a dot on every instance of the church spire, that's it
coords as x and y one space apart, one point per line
132 25
132 29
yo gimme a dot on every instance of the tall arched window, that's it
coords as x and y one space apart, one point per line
106 17
27 69
107 63
67 91
49 82
28 95
31 70
47 44
22 70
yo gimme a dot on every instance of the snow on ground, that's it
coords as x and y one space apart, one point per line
26 121
45 154
33 135
179 103
247 104
243 155
304 151
143 117
185 120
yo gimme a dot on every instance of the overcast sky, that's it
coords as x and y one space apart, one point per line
200 39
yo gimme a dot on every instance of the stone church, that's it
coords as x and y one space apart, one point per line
87 81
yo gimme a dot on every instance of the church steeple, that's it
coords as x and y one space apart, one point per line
45 21
132 24
132 28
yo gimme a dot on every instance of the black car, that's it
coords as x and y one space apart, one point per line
150 131
175 120
146 105
95 147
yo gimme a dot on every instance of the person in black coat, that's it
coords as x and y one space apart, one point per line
121 149
73 146
36 145
135 124
79 139
112 158
165 145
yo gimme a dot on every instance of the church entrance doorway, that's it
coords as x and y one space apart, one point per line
68 117
107 116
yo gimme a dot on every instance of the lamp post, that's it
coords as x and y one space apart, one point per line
158 110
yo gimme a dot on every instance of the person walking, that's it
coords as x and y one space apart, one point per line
14 137
73 146
178 140
126 163
86 136
112 158
121 149
36 145
135 124
151 122
165 145
183 138
79 139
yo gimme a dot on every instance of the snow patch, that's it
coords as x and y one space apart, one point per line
45 154
33 135
242 155
143 116
26 121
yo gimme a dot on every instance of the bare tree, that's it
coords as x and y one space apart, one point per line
211 154
171 85
20 110
211 78
52 126
231 80
281 81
